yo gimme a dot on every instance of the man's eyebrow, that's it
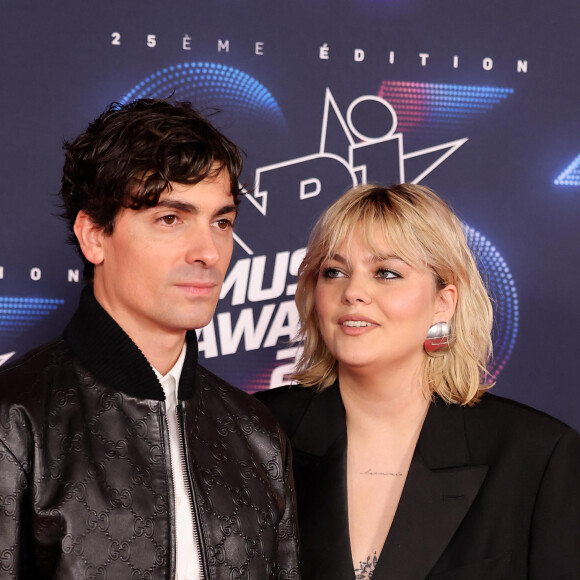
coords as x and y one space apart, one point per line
178 205
227 209
187 207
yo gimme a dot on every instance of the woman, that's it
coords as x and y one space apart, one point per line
405 468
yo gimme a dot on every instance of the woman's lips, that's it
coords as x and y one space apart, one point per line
355 324
356 321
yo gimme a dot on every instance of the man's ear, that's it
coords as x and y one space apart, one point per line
90 237
446 302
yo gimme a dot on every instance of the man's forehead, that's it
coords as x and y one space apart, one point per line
208 193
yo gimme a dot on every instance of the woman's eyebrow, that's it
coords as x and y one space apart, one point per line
371 259
384 258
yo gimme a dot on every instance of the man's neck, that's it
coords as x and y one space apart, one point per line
163 354
161 347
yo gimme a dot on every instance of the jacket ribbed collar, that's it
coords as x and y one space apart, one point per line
106 351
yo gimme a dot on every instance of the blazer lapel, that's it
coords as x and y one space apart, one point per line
319 449
440 488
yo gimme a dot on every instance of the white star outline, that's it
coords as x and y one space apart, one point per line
358 173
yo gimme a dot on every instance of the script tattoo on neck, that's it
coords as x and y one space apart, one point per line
365 569
388 473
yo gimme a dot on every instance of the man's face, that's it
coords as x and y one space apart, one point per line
161 270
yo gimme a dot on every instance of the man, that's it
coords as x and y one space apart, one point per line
120 456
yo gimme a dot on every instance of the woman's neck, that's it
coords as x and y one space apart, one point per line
385 412
383 399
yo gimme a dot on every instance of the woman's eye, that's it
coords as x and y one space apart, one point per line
332 273
386 274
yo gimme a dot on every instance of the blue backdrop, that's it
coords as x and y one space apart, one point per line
478 100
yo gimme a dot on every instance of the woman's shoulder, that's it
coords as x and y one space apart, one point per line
492 405
288 404
287 393
497 418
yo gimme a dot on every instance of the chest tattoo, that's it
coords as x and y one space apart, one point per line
365 569
391 473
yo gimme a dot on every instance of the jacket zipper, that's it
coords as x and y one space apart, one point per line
191 495
174 527
174 535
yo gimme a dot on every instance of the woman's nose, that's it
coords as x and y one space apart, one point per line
356 290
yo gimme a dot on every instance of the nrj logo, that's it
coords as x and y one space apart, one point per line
257 309
352 157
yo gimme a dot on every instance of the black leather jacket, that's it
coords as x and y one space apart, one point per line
85 476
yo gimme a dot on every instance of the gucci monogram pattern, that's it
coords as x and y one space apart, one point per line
85 488
245 499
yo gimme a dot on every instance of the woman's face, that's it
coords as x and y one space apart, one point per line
374 311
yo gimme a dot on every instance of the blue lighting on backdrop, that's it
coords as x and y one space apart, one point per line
570 175
502 289
18 314
212 85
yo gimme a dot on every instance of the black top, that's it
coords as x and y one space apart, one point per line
493 491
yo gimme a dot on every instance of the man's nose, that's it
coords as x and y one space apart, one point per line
202 247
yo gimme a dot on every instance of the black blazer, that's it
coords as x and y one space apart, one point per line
493 492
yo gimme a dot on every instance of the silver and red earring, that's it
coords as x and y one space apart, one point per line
438 337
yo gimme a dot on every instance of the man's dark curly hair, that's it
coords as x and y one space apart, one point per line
130 155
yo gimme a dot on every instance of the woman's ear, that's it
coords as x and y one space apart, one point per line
446 303
90 237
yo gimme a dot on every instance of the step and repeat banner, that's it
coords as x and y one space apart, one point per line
479 100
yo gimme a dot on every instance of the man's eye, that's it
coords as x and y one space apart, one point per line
224 224
169 220
332 273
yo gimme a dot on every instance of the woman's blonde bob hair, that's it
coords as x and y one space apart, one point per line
421 229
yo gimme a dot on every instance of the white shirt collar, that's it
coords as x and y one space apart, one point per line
170 381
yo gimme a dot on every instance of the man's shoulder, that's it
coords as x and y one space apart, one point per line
32 365
24 384
233 398
206 379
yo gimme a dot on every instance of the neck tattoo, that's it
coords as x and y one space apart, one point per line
387 473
